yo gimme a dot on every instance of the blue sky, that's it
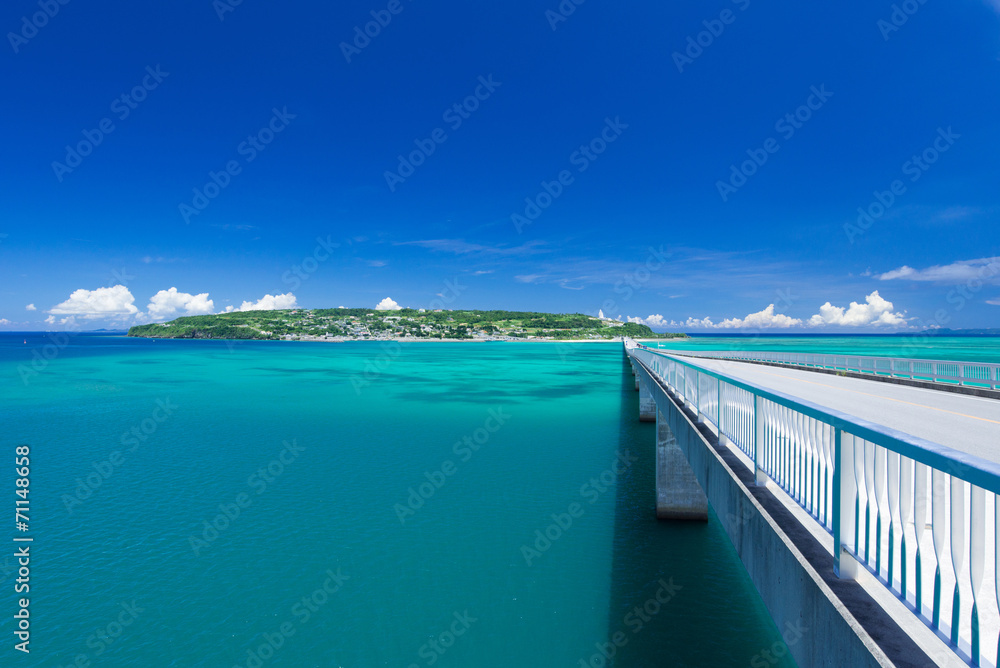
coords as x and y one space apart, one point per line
702 162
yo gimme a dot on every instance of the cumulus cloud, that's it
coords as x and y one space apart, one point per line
652 321
68 320
875 311
30 307
761 320
268 303
115 302
983 269
168 303
387 305
5 321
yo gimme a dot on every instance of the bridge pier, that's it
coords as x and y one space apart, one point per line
678 494
647 404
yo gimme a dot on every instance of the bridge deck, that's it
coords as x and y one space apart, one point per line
967 423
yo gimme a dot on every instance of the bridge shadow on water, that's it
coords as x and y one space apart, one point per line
679 593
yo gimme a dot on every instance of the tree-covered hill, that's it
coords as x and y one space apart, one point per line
356 323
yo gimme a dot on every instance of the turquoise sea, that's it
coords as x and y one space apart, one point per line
209 503
965 348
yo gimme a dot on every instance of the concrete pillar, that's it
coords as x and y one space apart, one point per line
647 405
637 382
678 494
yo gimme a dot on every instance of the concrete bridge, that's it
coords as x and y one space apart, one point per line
866 510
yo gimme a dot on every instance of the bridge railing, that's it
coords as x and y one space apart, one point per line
973 374
922 518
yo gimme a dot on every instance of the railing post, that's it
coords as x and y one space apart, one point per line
718 406
758 442
844 565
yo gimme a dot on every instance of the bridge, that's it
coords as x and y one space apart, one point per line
865 508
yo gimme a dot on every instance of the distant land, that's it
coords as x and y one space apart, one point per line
357 324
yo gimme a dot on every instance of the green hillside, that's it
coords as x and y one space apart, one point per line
360 324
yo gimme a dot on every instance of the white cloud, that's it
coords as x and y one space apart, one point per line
167 303
651 321
761 320
99 303
529 278
377 263
68 320
875 311
5 321
388 305
30 307
983 268
268 303
994 302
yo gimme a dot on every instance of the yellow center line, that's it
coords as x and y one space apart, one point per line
877 396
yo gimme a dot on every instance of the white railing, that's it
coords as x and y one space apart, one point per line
921 517
972 374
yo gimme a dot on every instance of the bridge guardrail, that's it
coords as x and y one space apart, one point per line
949 372
876 490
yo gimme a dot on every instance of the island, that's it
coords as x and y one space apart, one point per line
358 324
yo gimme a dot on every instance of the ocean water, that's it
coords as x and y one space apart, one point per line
964 348
209 503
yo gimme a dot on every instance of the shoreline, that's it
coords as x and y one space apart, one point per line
394 340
